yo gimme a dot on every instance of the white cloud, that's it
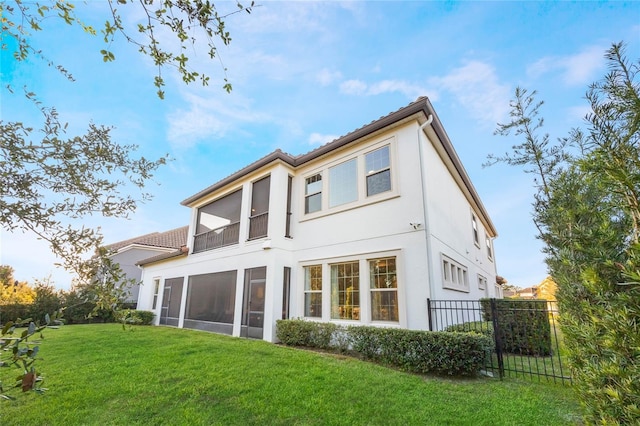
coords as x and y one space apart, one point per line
353 87
359 87
477 88
326 77
575 70
208 117
320 139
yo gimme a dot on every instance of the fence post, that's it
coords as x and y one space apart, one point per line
496 336
429 314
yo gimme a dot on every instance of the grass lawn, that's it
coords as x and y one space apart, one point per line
100 374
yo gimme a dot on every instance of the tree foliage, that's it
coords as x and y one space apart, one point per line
587 211
48 180
188 22
13 291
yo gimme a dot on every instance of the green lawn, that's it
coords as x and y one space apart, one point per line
100 374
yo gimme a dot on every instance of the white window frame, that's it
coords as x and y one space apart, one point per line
474 230
482 282
370 173
156 292
365 316
489 244
373 290
362 198
334 176
309 291
309 195
455 276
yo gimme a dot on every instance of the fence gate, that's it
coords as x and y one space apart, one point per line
527 340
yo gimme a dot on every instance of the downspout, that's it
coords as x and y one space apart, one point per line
425 206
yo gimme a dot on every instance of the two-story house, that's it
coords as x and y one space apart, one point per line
362 230
128 253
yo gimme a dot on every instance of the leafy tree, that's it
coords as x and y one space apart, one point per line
13 291
587 211
190 22
50 178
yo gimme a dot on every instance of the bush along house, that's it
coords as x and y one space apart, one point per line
362 230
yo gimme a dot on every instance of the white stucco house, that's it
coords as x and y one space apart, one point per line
362 230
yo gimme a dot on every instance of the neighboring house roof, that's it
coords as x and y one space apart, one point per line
174 238
182 251
421 105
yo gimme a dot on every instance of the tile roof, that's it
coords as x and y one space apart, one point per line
420 104
183 251
174 238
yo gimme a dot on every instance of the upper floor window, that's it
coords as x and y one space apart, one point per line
259 218
378 171
218 223
313 193
476 233
489 247
343 183
356 179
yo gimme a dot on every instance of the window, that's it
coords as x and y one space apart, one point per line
313 291
218 223
474 225
313 193
156 289
343 183
454 275
384 289
259 218
345 291
489 247
482 282
378 171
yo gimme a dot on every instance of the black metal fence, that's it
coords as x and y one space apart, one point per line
527 341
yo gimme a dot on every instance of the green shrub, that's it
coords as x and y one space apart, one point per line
482 327
143 317
422 351
523 325
298 332
13 312
410 350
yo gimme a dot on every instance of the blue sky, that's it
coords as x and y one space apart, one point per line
306 72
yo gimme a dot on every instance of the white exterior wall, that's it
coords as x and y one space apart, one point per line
392 223
450 225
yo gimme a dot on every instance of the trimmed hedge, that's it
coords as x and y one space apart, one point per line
410 350
524 327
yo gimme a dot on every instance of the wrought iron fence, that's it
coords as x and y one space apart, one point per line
527 340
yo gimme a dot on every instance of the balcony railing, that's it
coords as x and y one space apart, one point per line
258 225
219 237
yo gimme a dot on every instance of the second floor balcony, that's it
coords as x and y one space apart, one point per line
219 237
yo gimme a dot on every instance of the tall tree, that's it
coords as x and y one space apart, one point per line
50 179
587 211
